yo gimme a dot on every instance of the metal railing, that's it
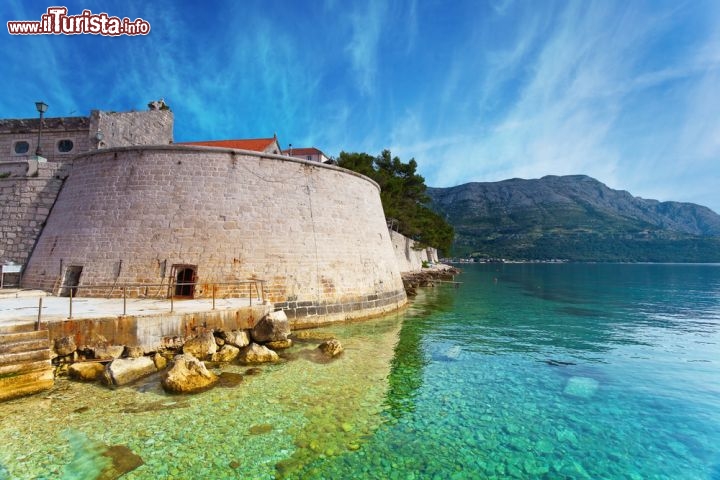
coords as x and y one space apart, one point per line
258 285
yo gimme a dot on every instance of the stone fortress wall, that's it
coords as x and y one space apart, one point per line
315 233
408 255
25 202
63 138
29 184
123 206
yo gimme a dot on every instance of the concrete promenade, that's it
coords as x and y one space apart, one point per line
21 306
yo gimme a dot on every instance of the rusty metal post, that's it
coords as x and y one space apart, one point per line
71 297
37 326
171 303
213 295
124 300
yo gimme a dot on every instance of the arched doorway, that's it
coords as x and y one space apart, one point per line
185 278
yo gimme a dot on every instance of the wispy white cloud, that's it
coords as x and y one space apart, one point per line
581 83
366 23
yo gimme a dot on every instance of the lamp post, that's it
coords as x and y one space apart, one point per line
41 108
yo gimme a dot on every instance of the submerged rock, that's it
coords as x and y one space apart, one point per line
123 460
229 379
255 353
581 387
92 459
452 354
313 334
202 346
86 371
331 348
188 375
272 327
122 371
280 344
260 429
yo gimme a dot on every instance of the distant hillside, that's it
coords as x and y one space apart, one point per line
575 218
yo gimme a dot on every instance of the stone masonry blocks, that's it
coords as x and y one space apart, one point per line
312 232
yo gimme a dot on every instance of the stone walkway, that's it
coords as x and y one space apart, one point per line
21 306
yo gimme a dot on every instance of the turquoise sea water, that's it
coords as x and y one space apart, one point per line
525 371
555 371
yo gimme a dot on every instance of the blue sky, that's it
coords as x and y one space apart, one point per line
625 91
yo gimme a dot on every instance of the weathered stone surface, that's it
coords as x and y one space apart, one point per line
202 346
86 371
107 352
255 353
134 352
160 361
65 345
122 371
331 348
188 375
334 284
227 353
280 344
238 338
313 334
271 328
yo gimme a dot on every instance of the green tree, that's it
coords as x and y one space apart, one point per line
402 192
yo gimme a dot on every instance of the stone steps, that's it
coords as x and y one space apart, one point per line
25 366
17 328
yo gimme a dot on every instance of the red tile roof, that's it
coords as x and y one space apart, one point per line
302 151
254 144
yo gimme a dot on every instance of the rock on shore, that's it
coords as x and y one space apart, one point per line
273 327
427 277
188 375
255 353
122 371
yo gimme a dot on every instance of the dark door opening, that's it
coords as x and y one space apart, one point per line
185 282
71 280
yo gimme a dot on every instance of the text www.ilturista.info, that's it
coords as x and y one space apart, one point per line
57 22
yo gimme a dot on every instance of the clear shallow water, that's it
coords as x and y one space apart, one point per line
525 371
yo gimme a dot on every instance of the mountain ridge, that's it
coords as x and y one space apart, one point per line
554 215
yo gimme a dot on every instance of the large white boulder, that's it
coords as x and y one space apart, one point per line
122 371
255 353
202 346
188 375
272 327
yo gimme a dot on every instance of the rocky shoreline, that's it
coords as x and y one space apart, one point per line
428 277
183 366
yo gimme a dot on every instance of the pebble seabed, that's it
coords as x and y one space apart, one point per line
277 419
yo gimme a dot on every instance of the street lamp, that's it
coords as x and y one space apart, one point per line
41 108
